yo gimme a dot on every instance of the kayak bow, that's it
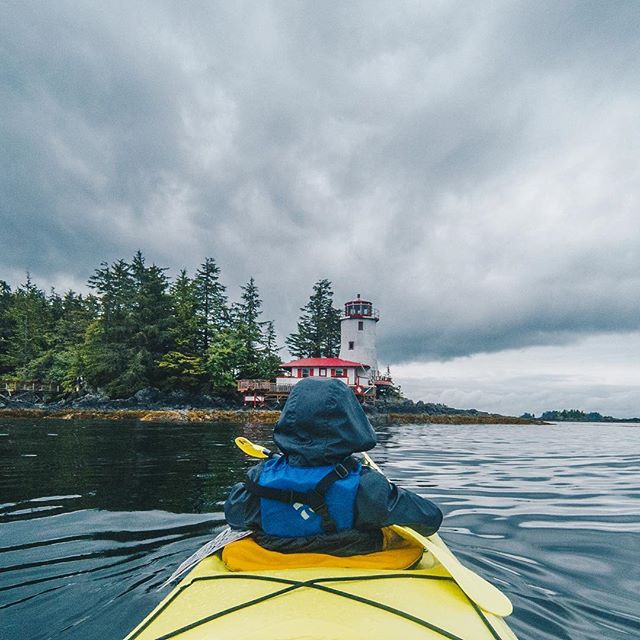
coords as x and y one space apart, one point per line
434 599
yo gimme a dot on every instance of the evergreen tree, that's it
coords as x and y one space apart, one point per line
184 305
56 312
124 346
114 286
78 313
107 350
62 362
7 327
225 358
30 316
152 319
211 310
249 331
243 349
270 360
136 330
318 334
184 366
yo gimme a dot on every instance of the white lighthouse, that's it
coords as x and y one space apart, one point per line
358 333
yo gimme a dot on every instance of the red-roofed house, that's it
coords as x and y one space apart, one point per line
352 373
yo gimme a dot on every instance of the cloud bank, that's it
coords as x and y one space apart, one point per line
599 373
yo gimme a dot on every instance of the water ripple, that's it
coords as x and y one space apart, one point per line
97 517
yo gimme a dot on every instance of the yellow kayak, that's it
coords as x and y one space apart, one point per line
319 602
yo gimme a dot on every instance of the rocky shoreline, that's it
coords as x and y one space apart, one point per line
151 405
243 416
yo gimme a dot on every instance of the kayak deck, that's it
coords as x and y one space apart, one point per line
319 603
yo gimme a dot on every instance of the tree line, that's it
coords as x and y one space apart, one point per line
576 415
138 328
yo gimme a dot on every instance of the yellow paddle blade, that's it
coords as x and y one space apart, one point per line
482 592
253 450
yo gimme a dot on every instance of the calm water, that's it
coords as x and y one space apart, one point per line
94 516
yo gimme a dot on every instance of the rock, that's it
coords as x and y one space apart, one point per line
122 403
149 395
164 416
175 398
91 400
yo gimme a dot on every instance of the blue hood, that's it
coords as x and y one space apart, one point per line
322 423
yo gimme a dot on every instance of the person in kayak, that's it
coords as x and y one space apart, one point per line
317 497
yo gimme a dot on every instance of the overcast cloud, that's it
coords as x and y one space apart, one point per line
471 167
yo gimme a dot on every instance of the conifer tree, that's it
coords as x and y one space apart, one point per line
244 349
318 334
78 312
184 365
107 351
137 330
62 362
124 347
211 310
225 358
152 318
30 315
7 327
270 361
248 330
114 286
184 304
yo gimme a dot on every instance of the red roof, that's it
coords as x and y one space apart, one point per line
322 362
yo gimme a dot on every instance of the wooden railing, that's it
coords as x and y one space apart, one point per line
29 385
263 385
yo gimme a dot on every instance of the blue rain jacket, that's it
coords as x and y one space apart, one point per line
321 424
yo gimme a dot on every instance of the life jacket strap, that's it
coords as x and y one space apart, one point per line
271 493
314 498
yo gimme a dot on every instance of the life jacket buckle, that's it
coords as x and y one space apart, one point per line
341 471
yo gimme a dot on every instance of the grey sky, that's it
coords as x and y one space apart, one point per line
471 167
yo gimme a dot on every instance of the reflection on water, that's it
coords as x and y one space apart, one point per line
95 515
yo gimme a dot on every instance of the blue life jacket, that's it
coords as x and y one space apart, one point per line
306 501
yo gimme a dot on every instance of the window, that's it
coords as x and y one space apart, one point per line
351 344
323 372
360 325
339 373
304 372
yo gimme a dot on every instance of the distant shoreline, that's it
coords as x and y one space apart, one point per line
607 420
575 415
243 416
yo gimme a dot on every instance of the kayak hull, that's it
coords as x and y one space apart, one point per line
319 603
